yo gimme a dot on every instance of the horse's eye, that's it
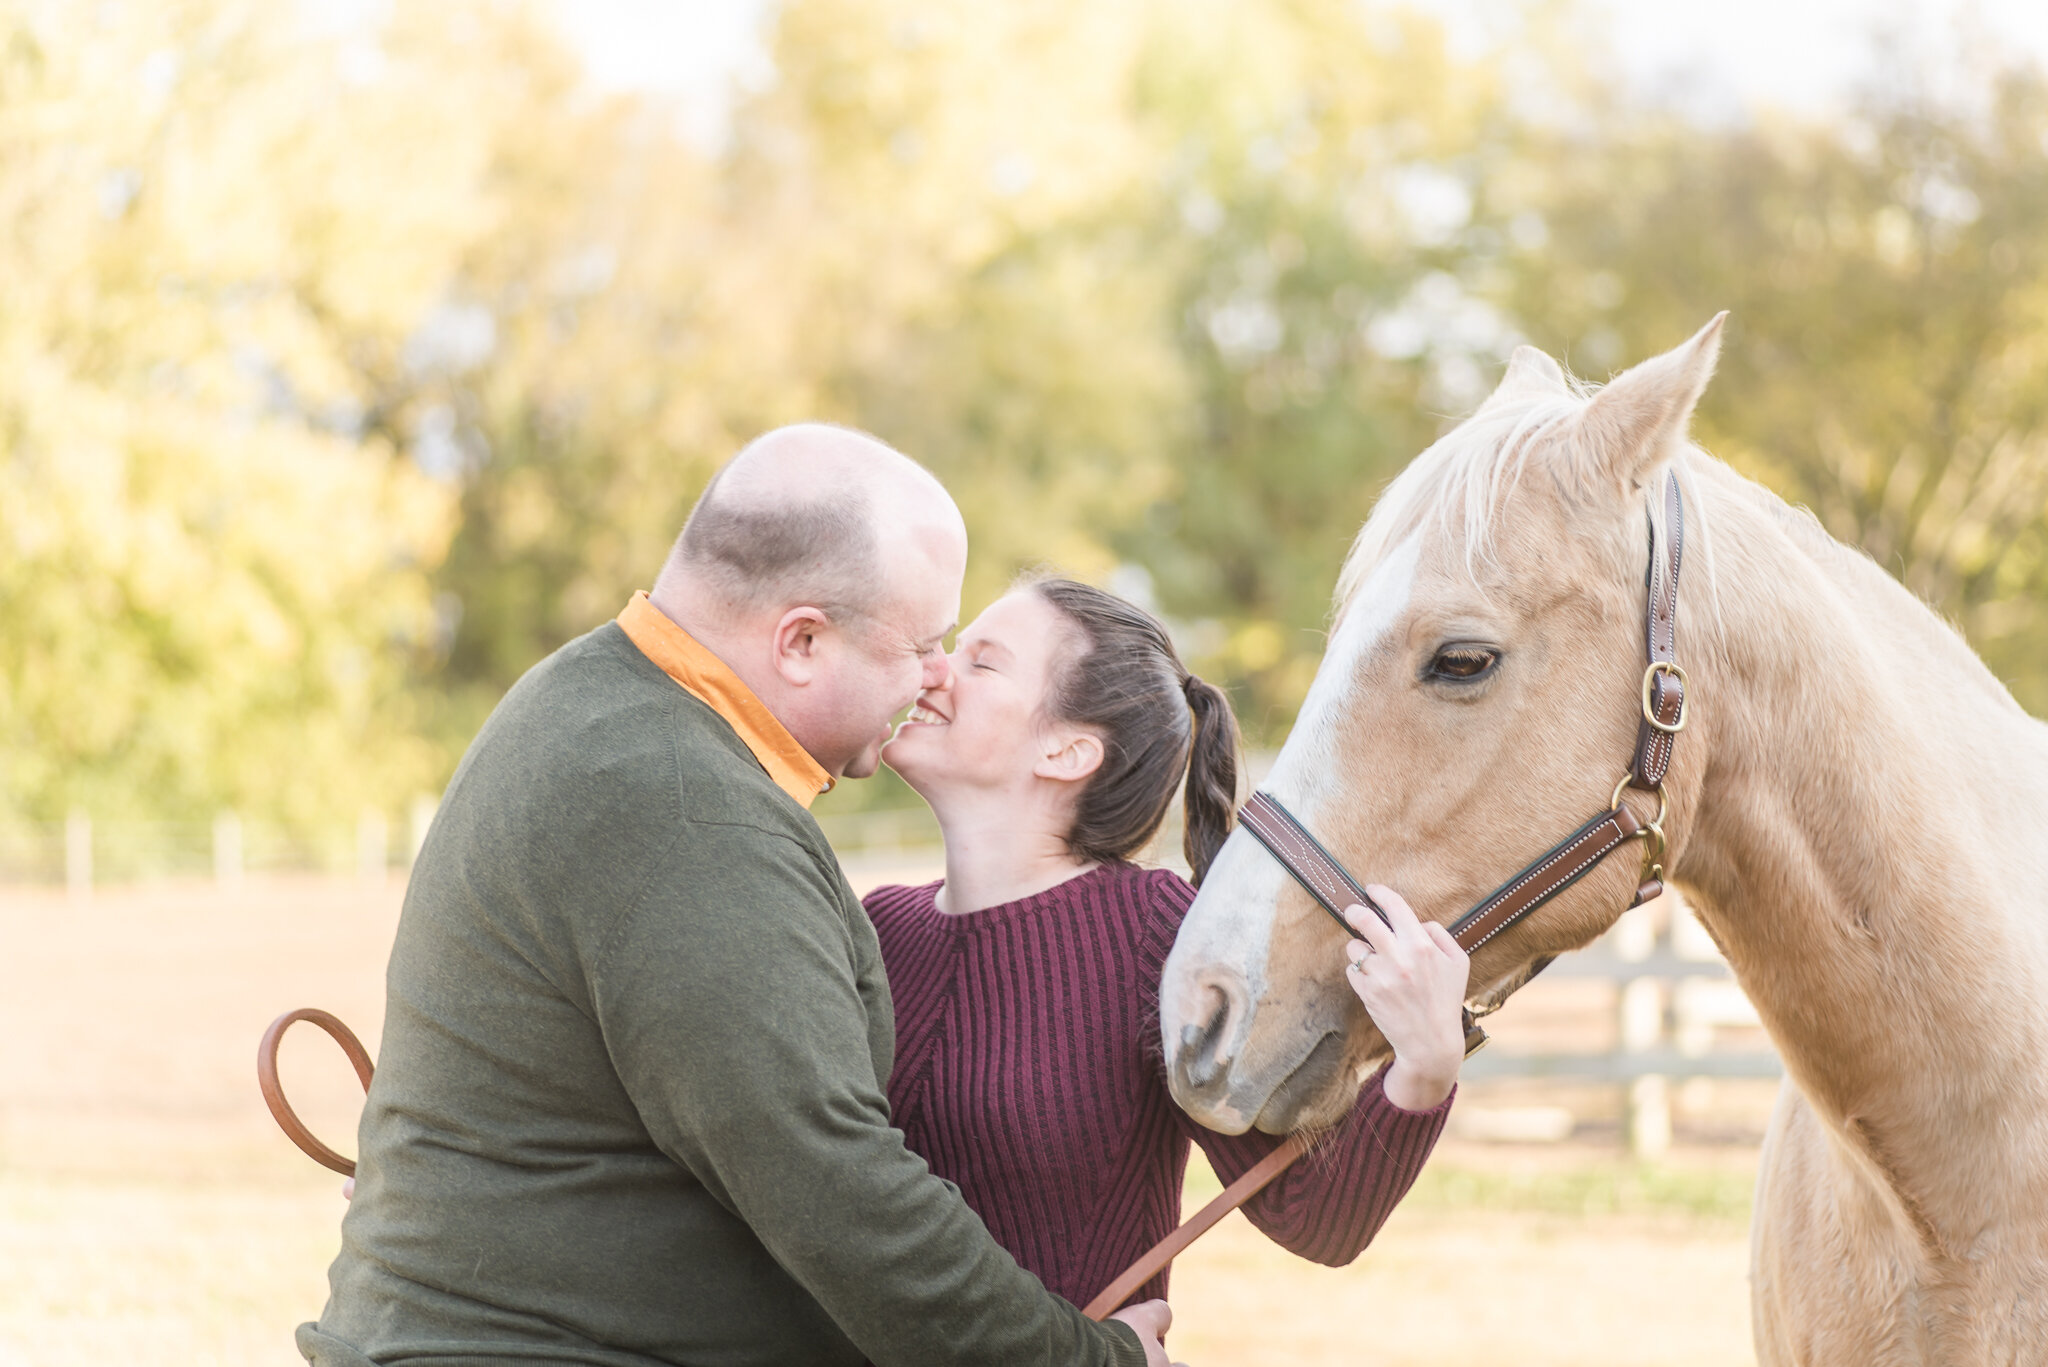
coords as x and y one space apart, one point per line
1463 663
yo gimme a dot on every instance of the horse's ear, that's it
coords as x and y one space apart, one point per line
1531 374
1643 412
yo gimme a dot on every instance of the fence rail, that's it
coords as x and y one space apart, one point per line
1673 995
1619 1066
81 852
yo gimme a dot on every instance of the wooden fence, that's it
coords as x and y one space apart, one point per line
1673 995
82 852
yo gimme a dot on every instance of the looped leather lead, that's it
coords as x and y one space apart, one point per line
273 1090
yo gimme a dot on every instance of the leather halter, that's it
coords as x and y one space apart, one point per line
1326 879
1550 873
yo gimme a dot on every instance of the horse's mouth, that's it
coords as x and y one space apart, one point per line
1303 1094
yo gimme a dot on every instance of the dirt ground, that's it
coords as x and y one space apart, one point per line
151 1213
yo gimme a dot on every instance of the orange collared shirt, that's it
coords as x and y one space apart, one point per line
706 678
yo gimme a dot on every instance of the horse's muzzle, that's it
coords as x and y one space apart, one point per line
1213 1023
1305 1094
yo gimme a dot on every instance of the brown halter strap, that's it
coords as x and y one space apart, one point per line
1550 873
1323 876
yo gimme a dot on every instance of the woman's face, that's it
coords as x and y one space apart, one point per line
984 727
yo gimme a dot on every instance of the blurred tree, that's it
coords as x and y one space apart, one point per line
1887 363
352 369
1319 199
985 292
623 368
905 234
222 229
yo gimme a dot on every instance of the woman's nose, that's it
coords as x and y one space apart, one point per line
938 671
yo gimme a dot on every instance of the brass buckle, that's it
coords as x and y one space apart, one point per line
1684 696
1475 1038
1652 831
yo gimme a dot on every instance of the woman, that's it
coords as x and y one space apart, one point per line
1028 1064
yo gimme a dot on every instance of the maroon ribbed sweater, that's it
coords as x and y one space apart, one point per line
1029 1072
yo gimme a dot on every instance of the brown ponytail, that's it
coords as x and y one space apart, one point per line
1159 725
1211 802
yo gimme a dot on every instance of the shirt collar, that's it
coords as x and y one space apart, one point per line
707 678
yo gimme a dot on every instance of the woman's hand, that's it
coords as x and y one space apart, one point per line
1412 980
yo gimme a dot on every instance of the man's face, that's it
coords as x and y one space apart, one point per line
886 661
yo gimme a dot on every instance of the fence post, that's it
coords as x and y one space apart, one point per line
227 849
1642 1015
1647 1105
373 845
78 854
1635 935
1689 939
1649 1116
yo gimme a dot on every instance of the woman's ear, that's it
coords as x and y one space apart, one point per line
1070 756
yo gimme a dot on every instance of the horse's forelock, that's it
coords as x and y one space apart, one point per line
1463 478
1462 482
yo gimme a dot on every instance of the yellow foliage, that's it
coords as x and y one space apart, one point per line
346 371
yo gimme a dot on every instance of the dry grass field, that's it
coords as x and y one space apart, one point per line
151 1214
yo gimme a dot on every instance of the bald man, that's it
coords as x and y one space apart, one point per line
629 1107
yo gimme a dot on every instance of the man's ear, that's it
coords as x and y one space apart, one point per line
1633 424
796 644
1070 756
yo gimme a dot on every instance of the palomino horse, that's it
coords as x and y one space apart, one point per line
1858 812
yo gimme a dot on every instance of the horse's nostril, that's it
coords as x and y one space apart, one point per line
1202 1057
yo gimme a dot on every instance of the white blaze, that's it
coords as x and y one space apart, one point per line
1308 761
1231 923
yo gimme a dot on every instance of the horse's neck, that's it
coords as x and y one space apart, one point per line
1867 846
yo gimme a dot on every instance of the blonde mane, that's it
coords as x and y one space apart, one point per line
1855 818
1466 477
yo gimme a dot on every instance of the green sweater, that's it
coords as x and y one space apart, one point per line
629 1107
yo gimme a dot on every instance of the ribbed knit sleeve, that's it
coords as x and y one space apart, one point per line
1331 1203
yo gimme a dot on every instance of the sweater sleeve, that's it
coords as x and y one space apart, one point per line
1328 1206
733 1013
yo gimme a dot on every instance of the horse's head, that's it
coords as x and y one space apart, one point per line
1477 702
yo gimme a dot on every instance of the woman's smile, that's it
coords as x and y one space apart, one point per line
994 690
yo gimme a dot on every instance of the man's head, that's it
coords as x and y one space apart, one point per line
824 568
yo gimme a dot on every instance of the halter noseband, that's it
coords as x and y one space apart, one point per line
1664 715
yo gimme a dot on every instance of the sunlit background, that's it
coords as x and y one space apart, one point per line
355 355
